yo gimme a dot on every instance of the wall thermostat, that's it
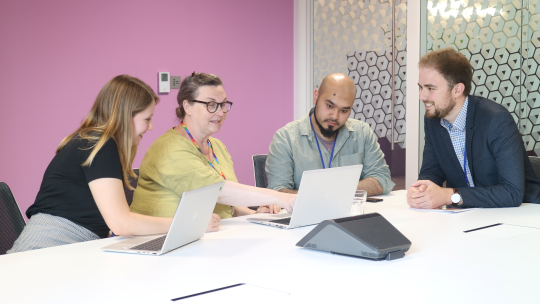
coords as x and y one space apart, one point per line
164 82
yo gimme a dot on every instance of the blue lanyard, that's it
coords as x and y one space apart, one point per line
465 164
320 154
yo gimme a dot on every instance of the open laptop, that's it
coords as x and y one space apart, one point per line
188 225
323 194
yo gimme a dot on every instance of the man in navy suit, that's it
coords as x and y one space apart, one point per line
471 143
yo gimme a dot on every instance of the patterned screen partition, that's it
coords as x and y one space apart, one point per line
355 38
501 38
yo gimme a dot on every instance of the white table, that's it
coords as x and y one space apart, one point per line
444 265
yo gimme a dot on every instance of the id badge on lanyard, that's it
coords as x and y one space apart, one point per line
465 165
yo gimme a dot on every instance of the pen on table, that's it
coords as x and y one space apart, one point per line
489 226
209 291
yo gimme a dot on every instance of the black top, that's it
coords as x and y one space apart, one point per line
64 190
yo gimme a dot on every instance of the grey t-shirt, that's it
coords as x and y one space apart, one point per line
327 144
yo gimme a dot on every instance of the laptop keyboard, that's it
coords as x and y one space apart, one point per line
284 221
152 245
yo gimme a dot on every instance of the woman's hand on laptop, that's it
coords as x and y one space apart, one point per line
214 223
286 201
273 209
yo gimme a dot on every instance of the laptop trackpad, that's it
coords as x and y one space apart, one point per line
136 240
270 217
280 216
258 219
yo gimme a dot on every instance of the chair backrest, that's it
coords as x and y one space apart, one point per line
259 165
11 220
535 162
133 182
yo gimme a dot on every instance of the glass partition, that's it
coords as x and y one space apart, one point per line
367 41
501 39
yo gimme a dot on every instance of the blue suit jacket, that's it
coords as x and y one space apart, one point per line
501 170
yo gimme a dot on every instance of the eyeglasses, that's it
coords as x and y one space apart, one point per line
213 106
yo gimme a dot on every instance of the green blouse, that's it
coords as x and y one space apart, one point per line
173 165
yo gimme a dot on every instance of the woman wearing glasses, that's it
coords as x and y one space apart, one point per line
186 157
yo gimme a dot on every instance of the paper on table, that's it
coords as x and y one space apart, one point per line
244 293
505 231
447 210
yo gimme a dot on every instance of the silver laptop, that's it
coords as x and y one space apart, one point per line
323 194
188 225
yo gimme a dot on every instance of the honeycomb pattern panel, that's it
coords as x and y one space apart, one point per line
501 38
355 38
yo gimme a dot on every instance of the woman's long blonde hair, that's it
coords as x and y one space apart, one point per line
117 103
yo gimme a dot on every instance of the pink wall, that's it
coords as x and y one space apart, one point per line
56 55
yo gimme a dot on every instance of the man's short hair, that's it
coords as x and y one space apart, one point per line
452 65
322 87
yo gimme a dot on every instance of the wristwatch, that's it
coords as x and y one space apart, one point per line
455 198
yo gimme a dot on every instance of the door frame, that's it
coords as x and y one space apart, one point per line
303 48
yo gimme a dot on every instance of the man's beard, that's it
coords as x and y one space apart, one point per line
328 133
441 113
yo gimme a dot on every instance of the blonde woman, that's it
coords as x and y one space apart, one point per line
81 195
